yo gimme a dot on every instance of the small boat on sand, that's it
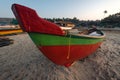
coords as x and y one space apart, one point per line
61 47
10 31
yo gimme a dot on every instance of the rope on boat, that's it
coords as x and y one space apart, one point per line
69 41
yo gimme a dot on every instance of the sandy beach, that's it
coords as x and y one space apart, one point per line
23 61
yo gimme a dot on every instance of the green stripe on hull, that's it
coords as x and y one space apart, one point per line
49 40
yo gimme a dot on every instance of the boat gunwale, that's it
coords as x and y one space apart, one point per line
74 35
88 36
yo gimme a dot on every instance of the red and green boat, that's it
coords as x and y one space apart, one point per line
52 41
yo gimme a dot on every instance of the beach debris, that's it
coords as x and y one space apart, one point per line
4 41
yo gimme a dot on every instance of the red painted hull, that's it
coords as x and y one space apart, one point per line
60 48
76 52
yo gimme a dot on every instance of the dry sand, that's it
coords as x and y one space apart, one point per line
23 61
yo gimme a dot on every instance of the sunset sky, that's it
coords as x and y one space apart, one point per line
82 9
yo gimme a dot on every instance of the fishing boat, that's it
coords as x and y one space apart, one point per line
10 31
61 47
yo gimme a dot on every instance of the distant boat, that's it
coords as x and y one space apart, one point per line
65 25
10 31
60 47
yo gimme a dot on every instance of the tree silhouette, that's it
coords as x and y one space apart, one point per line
105 11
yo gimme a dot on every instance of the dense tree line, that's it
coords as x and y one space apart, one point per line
77 22
112 20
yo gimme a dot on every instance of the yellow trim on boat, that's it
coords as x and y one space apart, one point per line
6 32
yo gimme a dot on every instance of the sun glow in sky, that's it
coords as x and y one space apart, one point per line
82 9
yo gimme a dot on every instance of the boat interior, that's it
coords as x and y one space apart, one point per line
93 33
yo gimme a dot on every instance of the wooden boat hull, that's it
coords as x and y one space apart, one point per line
13 31
64 50
55 44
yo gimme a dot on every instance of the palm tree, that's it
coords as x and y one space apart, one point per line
105 12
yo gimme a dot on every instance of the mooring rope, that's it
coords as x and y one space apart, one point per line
69 43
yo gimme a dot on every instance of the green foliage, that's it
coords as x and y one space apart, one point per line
112 20
76 21
14 22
